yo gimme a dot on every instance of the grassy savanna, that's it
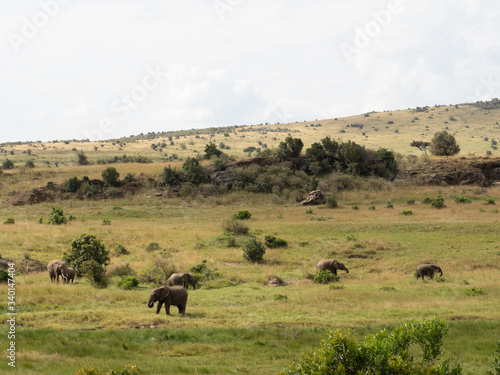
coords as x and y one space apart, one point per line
473 127
235 323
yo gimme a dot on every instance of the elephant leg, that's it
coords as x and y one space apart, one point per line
167 308
182 309
158 308
334 271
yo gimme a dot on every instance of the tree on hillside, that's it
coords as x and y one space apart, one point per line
211 150
194 171
110 175
82 158
290 149
421 145
444 144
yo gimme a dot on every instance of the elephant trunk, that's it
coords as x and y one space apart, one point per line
151 302
440 270
346 270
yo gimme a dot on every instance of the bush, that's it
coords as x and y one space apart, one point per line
10 220
474 292
243 215
273 242
121 250
126 370
87 248
254 251
325 277
82 158
463 200
128 282
444 144
7 164
438 202
202 272
110 175
57 216
29 164
123 270
152 246
106 221
489 201
73 184
159 270
408 213
382 353
171 176
95 273
235 227
331 202
4 276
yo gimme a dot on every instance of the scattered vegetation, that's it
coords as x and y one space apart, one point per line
242 215
254 251
325 277
273 242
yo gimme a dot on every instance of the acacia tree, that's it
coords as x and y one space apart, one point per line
421 145
444 144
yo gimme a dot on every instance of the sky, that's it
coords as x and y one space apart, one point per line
101 69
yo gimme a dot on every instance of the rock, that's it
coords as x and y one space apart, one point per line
275 282
315 197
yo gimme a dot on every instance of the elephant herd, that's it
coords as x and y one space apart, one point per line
175 292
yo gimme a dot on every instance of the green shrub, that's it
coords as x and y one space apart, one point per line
372 208
337 287
438 202
439 279
280 297
309 211
489 201
242 215
389 205
4 276
496 362
128 282
73 184
474 292
57 216
126 370
331 202
202 273
427 201
30 164
171 176
410 201
9 220
121 250
106 221
152 246
84 249
95 273
407 212
110 175
463 200
254 251
325 277
273 242
235 227
355 207
7 164
385 352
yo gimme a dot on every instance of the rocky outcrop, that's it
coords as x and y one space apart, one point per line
275 282
315 197
37 195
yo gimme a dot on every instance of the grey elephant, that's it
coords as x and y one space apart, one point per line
169 295
184 279
71 275
56 268
332 265
428 270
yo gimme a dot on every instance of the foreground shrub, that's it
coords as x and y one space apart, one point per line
325 277
152 246
490 201
463 200
235 227
438 202
273 242
242 215
331 202
121 250
95 273
126 370
385 352
9 220
4 276
128 282
57 216
254 251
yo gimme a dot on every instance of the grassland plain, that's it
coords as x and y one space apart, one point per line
235 323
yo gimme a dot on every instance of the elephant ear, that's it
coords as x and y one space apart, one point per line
163 292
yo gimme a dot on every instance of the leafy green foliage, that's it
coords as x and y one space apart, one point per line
203 273
4 276
82 158
444 144
128 282
57 217
331 202
106 221
86 248
110 175
496 362
73 184
474 292
421 145
438 202
254 251
340 353
463 200
126 370
325 277
7 164
407 212
194 171
235 227
152 246
290 149
121 250
94 272
211 150
9 220
243 215
489 201
273 242
171 176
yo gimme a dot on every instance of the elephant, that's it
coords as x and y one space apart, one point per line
71 275
168 295
184 279
331 265
56 268
428 270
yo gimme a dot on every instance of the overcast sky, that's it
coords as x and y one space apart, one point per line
77 69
